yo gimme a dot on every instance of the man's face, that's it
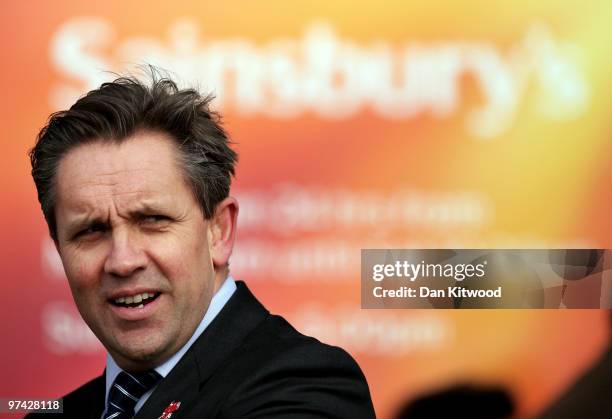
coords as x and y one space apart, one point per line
130 230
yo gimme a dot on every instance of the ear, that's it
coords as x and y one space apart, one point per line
223 231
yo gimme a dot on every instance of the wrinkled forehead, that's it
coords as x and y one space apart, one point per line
146 163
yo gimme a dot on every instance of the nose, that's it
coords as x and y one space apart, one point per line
126 256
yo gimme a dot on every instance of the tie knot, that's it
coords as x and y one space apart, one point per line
127 388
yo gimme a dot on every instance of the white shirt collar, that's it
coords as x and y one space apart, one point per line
217 303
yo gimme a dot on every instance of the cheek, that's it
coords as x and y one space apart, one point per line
82 269
189 244
184 260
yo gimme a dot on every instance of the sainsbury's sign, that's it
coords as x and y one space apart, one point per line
334 77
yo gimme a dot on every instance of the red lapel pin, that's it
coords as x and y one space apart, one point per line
168 411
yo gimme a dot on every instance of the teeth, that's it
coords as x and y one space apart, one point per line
140 306
134 298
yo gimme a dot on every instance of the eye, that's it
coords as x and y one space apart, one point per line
91 230
154 219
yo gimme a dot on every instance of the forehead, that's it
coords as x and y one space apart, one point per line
143 164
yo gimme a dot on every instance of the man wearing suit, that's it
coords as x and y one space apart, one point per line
134 183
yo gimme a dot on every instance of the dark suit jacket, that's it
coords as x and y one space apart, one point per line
248 363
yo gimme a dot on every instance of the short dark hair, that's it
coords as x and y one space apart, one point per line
120 108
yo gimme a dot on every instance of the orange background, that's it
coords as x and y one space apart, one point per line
541 178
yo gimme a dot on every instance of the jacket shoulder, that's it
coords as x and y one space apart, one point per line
285 373
83 402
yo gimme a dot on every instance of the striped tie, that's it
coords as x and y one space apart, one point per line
125 392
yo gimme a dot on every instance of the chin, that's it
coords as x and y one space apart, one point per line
139 355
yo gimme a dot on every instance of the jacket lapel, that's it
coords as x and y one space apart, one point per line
86 402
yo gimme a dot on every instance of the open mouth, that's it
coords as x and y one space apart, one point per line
135 301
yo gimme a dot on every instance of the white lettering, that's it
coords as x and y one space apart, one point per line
335 77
